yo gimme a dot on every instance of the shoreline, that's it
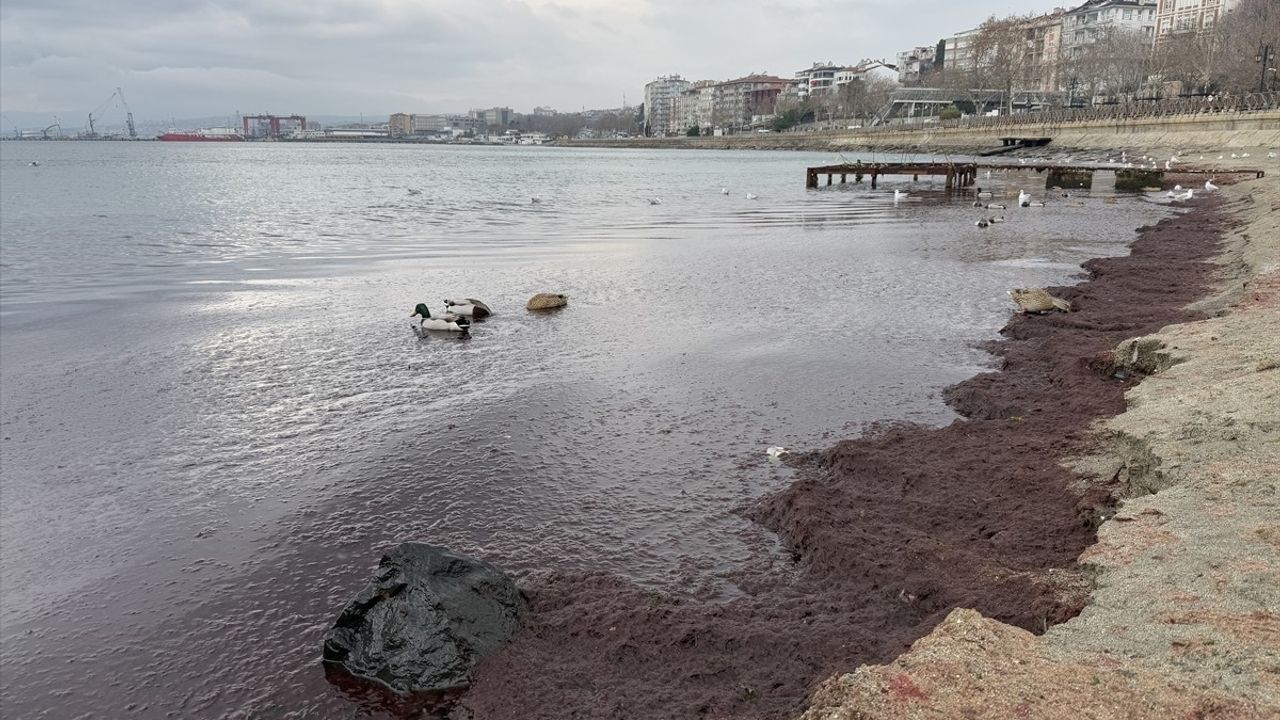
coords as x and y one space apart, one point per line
892 531
1183 618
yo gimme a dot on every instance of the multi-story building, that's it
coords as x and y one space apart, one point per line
400 125
915 65
1041 65
462 124
692 108
659 96
1180 16
820 77
1083 25
957 52
430 124
493 117
737 102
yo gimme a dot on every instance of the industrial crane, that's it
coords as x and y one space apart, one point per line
118 94
133 131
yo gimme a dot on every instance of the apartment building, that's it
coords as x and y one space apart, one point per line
1041 65
1083 25
1179 16
819 77
957 53
917 64
693 107
737 102
659 97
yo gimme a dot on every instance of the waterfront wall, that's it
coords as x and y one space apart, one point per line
1194 133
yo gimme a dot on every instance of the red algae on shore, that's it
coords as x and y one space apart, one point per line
891 531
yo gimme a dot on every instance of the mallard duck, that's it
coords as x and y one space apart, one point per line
1036 300
448 321
468 307
547 301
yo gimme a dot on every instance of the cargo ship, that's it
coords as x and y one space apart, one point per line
217 134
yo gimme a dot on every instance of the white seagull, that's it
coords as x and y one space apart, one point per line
898 196
1208 186
752 196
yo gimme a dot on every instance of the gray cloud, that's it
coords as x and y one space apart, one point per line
178 59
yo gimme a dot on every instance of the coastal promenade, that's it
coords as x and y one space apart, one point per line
1249 124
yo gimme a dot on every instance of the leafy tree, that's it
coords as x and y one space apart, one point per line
786 120
693 131
951 113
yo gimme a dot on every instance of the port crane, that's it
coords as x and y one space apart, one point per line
117 95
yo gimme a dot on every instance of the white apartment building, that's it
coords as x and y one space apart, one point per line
819 77
659 98
1082 25
1179 16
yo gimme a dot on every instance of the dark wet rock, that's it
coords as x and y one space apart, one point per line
425 620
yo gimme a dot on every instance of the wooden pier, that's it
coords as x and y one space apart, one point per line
963 174
957 174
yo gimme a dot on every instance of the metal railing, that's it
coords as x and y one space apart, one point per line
1121 112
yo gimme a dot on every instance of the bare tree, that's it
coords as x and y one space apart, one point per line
1248 30
1123 59
998 50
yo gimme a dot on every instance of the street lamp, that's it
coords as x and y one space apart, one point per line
1266 55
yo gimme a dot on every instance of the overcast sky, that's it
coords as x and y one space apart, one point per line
344 57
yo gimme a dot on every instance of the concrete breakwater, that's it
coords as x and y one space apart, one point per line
1201 134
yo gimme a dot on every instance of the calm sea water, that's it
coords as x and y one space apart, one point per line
215 416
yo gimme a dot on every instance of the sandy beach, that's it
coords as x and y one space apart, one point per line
1182 620
972 539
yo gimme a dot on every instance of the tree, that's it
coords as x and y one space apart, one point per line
693 131
1121 60
1247 29
787 119
997 50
